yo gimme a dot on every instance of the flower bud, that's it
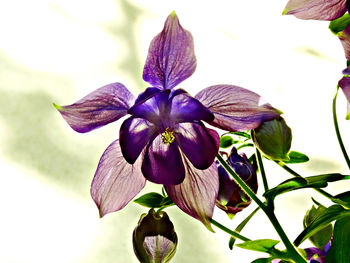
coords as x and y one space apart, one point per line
273 138
231 197
154 238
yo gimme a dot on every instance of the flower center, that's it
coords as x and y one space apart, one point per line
168 136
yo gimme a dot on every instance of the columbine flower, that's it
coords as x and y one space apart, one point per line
154 239
315 255
317 9
165 140
231 197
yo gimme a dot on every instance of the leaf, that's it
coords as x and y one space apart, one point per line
261 245
153 200
340 249
327 216
339 24
226 141
296 157
245 145
296 183
321 237
262 260
242 134
240 227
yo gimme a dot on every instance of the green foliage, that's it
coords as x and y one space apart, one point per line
261 245
325 217
296 157
296 183
340 248
273 138
322 237
226 141
339 24
153 200
242 134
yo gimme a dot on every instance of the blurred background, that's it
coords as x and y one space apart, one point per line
59 51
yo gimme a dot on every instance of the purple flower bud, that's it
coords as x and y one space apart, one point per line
231 197
154 239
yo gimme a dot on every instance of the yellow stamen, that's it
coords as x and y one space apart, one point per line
168 136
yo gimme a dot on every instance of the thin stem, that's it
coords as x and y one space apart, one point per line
294 254
229 231
322 192
336 126
262 170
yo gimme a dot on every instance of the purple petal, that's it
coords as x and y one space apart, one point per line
162 163
196 195
316 9
116 181
153 109
198 143
235 108
100 107
134 135
171 56
344 37
184 108
344 83
147 94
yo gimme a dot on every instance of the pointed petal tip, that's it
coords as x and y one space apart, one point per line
347 116
57 107
207 224
285 12
173 14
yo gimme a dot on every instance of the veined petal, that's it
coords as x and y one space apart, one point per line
171 57
152 109
184 108
198 143
196 195
235 108
344 37
344 83
100 107
316 9
116 181
134 135
162 163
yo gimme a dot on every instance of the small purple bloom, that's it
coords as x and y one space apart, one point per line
317 9
231 197
164 140
315 255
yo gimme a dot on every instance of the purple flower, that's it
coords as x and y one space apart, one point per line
317 9
231 197
164 140
315 255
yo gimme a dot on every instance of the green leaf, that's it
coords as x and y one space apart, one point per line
242 134
327 216
296 157
151 200
339 24
340 249
240 227
245 145
261 245
296 183
262 260
322 236
226 141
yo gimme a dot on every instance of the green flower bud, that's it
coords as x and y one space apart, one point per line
273 138
154 238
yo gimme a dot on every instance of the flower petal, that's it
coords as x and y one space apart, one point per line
196 195
316 9
162 163
153 109
198 143
116 181
100 107
184 108
171 56
134 135
344 83
344 37
235 108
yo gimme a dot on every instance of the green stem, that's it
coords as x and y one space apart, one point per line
336 126
229 231
262 170
294 254
322 192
